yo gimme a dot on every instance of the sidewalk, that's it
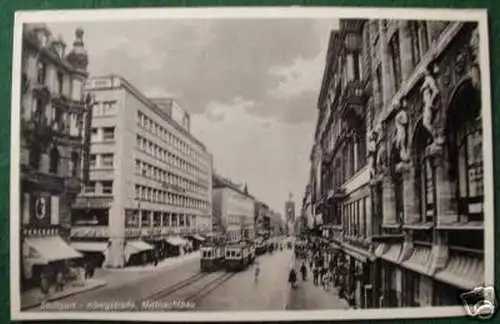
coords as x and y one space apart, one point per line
33 298
307 296
163 264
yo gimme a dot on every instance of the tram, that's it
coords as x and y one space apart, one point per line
212 257
238 256
260 246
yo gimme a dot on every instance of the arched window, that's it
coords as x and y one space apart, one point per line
466 155
424 175
54 160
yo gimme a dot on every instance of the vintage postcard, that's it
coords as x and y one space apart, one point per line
251 164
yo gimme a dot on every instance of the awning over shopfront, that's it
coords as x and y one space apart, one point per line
358 253
176 241
420 260
134 247
462 271
198 238
392 254
42 250
90 246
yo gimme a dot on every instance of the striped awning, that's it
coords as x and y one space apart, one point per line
43 250
392 254
420 260
176 241
462 271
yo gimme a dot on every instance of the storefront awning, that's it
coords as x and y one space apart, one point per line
89 246
133 247
420 260
392 254
42 250
176 241
198 238
465 272
358 253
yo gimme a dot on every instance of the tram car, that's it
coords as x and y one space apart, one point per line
238 256
260 247
212 257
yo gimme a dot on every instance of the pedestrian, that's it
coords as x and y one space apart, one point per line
292 278
303 271
59 281
44 285
322 272
256 272
315 276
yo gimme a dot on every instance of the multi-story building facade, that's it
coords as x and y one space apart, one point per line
233 209
150 179
262 219
400 160
54 115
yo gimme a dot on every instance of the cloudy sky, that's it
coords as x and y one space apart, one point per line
250 85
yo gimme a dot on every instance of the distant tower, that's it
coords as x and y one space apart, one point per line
289 214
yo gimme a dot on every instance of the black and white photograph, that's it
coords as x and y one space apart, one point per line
223 164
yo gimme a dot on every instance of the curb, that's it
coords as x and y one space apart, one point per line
56 298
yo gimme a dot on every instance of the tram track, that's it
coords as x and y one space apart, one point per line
191 289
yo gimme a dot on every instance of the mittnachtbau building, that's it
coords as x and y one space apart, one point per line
396 167
150 183
53 150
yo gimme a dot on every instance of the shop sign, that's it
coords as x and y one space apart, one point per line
90 231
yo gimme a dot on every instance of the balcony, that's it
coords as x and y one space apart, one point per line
352 102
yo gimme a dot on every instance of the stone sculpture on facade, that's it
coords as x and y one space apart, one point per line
430 93
381 162
401 123
474 50
372 153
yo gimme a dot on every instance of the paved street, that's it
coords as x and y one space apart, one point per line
307 296
125 286
242 293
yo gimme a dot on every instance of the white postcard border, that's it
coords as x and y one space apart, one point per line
21 17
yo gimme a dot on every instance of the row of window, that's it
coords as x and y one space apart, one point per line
104 108
168 178
54 165
148 218
102 134
164 197
167 136
56 117
354 217
57 81
101 161
167 157
99 187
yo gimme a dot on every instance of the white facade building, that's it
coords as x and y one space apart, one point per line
234 210
150 179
